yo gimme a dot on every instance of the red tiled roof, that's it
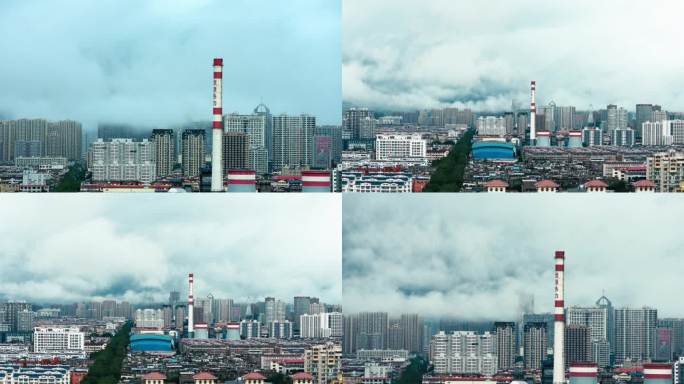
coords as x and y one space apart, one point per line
546 184
254 376
154 376
302 376
645 183
496 184
204 376
596 184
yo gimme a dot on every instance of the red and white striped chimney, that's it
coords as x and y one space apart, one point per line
191 306
559 320
533 113
658 373
217 129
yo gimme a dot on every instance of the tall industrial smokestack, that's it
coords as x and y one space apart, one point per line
533 113
217 129
191 306
559 318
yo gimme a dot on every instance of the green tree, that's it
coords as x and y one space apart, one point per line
107 366
448 172
413 373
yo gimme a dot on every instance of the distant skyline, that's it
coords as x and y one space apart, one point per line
483 257
150 63
66 248
411 54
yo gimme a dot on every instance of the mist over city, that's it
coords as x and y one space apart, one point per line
125 248
406 55
488 258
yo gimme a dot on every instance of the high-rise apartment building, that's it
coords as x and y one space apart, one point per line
577 344
193 151
235 151
255 127
352 121
505 344
293 141
163 142
463 352
122 160
149 318
412 326
63 139
371 331
274 310
596 319
491 126
535 342
23 137
616 118
666 169
9 313
634 334
323 362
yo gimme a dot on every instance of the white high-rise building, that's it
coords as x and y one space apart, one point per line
122 160
321 325
656 133
149 318
464 352
58 340
400 146
491 126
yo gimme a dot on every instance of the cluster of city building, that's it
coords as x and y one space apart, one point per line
564 149
620 344
229 339
34 153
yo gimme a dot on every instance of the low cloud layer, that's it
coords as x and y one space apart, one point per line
66 248
150 63
408 54
476 257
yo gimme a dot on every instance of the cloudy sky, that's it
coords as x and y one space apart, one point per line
474 257
150 62
63 248
408 54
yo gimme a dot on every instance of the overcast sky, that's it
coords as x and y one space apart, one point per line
408 54
474 257
64 248
150 62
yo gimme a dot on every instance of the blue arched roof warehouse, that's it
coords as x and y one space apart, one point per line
151 343
493 150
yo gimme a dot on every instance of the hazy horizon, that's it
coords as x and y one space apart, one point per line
483 257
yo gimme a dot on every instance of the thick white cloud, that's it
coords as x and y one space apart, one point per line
483 54
476 256
62 248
